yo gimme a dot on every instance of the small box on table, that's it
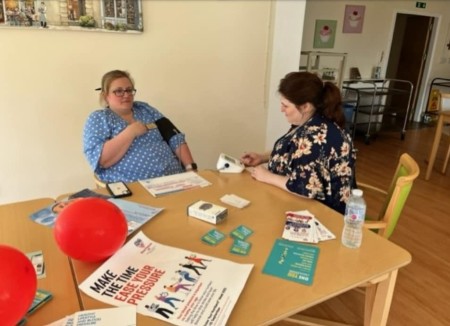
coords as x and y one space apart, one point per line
207 212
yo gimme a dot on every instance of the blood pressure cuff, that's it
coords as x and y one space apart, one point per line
166 128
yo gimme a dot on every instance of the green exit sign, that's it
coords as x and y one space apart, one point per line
422 5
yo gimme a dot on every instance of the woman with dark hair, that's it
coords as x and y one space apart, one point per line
315 158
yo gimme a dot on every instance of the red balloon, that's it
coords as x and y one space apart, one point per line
90 229
18 284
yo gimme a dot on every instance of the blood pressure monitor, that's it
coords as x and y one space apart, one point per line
228 164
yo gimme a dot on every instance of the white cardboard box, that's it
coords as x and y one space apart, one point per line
207 212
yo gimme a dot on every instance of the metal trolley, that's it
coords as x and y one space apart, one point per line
374 101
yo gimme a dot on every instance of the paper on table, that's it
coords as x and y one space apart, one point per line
304 227
135 213
118 316
174 183
202 290
292 261
37 259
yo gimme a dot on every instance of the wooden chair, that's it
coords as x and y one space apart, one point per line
444 118
395 197
99 183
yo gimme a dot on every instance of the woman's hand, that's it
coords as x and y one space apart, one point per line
137 128
115 148
252 159
260 173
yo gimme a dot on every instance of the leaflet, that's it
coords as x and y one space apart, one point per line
302 226
117 316
292 261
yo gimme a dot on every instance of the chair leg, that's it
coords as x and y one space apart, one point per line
434 148
447 156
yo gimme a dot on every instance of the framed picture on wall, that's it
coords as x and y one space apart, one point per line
353 19
78 15
324 33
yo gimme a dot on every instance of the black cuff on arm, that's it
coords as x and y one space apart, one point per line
166 128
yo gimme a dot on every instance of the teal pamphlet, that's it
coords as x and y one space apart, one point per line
292 261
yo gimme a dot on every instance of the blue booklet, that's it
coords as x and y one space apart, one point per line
47 215
135 213
292 261
41 297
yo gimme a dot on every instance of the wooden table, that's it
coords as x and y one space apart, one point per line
19 231
267 299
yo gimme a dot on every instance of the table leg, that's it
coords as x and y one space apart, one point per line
378 300
434 148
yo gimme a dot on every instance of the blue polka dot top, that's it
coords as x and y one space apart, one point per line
149 155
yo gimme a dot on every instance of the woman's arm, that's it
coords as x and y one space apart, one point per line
184 154
260 173
115 148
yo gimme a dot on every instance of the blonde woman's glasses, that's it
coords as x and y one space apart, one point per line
121 92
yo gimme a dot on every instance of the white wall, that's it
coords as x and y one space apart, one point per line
211 66
286 34
364 49
202 63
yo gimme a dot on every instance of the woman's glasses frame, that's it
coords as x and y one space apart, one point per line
121 92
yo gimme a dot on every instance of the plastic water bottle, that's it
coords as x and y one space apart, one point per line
355 212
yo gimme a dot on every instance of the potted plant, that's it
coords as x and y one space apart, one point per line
122 27
109 26
87 21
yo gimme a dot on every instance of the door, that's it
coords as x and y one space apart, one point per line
2 15
408 55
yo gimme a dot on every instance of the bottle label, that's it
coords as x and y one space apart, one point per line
355 214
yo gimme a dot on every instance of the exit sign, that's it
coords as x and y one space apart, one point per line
422 5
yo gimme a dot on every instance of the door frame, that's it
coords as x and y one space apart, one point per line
422 87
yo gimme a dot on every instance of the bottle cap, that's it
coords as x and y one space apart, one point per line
357 192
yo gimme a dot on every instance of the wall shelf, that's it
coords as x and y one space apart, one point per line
328 65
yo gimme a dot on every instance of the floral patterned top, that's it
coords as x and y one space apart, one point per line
318 157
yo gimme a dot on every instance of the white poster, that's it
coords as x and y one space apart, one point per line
170 284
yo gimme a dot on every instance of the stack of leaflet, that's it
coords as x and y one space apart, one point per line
302 226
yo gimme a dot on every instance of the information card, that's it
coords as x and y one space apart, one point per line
292 261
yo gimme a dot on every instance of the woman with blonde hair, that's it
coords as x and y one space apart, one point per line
129 140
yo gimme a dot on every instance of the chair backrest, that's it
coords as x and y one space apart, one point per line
444 108
405 174
444 104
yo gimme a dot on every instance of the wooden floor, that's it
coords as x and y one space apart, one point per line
422 292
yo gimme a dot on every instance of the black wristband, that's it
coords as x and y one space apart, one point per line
191 167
